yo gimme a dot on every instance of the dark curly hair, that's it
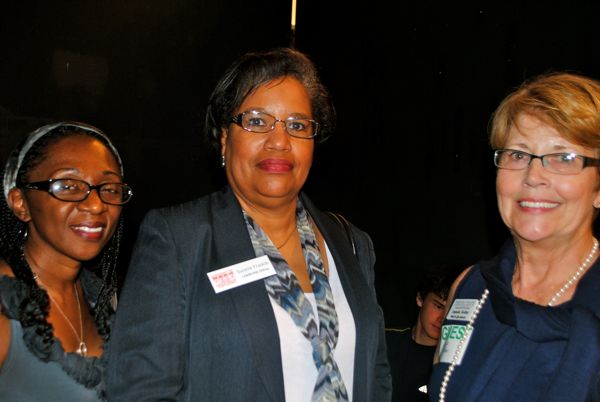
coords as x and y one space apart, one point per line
100 280
255 69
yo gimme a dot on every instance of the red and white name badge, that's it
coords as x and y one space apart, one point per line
240 274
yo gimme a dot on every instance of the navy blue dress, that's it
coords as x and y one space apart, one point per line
521 351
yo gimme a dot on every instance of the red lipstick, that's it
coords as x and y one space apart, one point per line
273 165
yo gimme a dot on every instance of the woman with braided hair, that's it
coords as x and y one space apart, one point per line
59 241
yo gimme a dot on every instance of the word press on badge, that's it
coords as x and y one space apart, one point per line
462 309
240 274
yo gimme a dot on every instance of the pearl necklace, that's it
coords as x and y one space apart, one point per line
580 270
82 349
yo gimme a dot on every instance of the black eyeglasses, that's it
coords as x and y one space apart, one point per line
560 163
261 122
73 190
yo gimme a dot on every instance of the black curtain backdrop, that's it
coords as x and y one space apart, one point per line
414 90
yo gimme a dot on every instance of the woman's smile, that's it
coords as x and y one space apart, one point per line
89 230
530 205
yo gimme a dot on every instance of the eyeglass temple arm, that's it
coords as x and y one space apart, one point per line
587 161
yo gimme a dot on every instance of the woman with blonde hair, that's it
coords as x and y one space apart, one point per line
525 326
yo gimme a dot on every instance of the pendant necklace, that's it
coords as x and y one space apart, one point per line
82 349
469 327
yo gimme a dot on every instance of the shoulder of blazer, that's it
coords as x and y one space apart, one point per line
189 215
344 224
358 242
193 226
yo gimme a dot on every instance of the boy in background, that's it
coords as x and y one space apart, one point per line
410 350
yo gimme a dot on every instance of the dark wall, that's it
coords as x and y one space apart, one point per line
414 90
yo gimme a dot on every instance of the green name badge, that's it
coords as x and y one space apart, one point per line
451 337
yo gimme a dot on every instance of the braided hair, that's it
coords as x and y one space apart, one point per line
101 271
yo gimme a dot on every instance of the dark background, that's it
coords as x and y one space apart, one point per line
414 90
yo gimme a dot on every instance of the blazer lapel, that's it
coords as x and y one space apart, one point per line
251 301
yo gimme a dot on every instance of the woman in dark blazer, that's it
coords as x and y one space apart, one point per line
251 293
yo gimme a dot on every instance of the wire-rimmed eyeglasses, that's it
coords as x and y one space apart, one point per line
73 190
560 163
260 122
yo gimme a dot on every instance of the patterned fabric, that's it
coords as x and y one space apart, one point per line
285 290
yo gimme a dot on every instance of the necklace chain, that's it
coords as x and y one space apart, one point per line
459 348
82 349
286 240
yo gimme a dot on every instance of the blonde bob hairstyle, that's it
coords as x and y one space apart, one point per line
568 102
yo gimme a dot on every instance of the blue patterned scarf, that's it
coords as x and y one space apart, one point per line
285 290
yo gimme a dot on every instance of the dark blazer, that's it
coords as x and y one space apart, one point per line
174 339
